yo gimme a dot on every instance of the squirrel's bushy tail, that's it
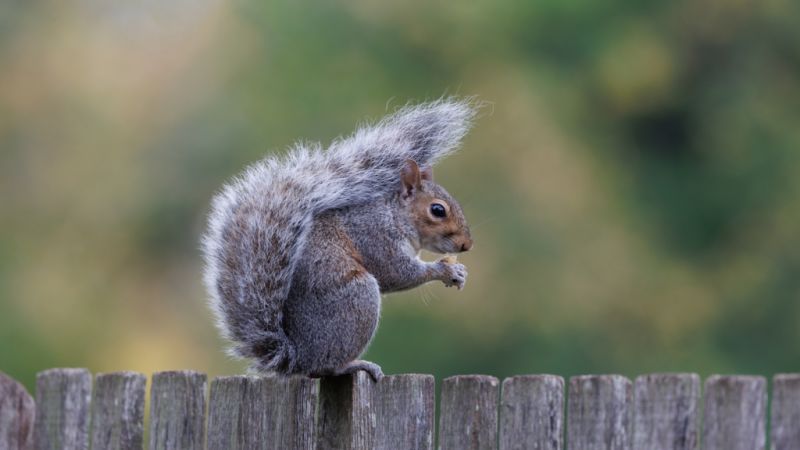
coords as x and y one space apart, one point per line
258 222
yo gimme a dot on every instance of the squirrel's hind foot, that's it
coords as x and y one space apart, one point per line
372 369
352 367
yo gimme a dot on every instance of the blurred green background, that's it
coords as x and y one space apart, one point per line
633 185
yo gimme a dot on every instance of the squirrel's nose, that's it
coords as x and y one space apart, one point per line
466 245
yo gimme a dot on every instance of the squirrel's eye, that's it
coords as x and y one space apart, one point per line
437 209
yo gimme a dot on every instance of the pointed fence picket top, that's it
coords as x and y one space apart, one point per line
657 412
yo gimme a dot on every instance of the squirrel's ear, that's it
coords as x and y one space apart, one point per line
411 178
427 173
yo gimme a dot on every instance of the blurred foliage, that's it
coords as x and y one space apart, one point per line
633 187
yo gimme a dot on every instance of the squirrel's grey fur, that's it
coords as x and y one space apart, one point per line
279 234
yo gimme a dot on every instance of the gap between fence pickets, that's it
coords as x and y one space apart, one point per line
658 411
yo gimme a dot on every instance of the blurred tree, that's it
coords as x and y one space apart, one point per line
632 185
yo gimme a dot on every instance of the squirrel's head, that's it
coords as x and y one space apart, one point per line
435 214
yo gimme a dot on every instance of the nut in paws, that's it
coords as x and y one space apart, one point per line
454 274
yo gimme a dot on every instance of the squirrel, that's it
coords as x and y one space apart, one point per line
299 249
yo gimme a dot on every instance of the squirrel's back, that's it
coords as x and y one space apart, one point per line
259 222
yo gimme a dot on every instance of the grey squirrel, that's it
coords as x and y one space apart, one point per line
299 249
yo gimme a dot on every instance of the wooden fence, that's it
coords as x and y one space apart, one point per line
659 411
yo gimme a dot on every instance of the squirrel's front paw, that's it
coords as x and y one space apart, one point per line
453 273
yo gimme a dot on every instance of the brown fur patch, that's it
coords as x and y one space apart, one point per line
336 235
354 273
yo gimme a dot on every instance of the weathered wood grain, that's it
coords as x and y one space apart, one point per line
62 409
17 412
469 413
666 411
531 413
345 418
262 413
118 411
404 407
734 417
352 412
785 433
177 410
395 413
599 411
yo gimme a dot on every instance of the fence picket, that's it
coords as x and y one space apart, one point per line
62 409
658 411
262 412
404 406
599 409
666 412
395 413
344 413
531 413
734 413
118 411
177 410
786 411
232 406
17 413
469 413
